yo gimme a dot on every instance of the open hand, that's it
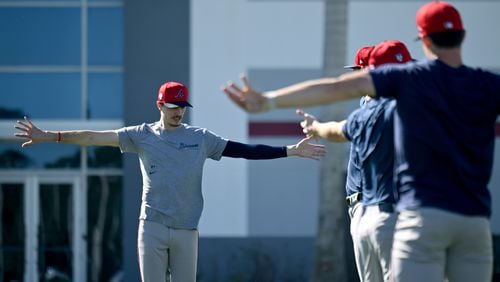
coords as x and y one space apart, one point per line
246 98
308 124
306 149
30 132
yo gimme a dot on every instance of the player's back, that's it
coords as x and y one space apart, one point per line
444 133
370 130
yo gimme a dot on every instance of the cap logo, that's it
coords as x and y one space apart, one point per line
180 94
448 25
161 96
399 57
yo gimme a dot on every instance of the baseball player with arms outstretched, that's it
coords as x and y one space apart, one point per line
444 139
172 155
371 163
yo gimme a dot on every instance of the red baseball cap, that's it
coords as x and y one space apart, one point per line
438 16
361 58
173 94
389 52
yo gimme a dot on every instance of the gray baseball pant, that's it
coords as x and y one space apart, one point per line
355 216
376 231
160 247
432 244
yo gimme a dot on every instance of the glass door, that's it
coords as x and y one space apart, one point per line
12 231
43 227
55 229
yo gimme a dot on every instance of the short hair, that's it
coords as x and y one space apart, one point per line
448 39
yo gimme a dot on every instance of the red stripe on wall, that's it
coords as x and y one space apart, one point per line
497 129
277 129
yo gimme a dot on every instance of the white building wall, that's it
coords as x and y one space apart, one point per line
227 38
218 54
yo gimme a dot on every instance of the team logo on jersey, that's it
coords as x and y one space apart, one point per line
180 94
187 146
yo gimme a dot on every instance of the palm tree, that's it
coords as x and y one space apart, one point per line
330 256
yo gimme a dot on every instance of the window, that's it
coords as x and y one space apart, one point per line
104 228
40 95
40 36
39 156
61 62
105 96
105 36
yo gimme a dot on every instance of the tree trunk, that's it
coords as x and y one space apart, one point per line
331 254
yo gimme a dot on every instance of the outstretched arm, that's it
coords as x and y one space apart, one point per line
331 131
304 94
34 135
265 152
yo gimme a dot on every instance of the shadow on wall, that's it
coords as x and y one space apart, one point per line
273 259
255 259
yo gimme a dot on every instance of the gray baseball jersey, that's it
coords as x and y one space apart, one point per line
171 166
